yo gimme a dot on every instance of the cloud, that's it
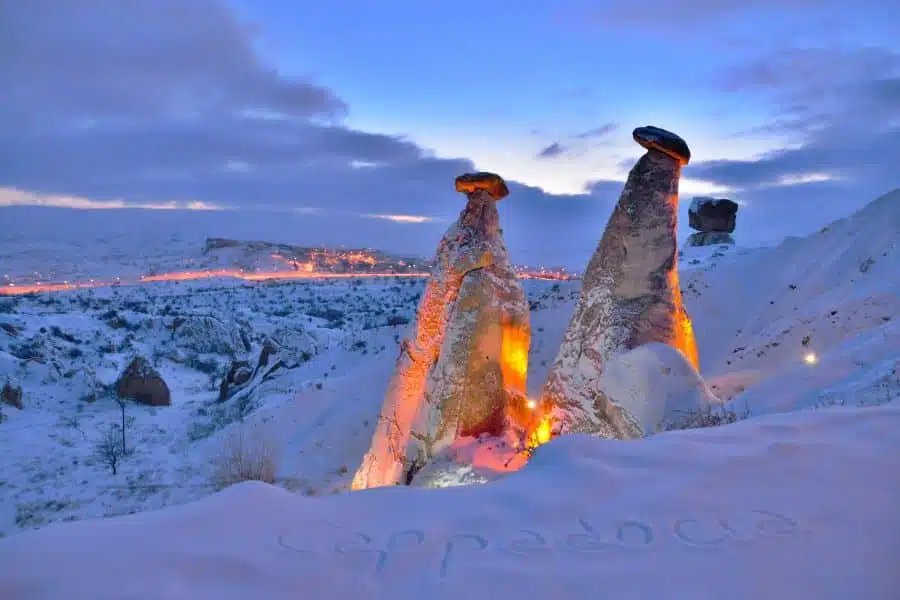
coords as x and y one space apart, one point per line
837 110
554 150
663 15
127 60
167 104
575 145
842 103
598 132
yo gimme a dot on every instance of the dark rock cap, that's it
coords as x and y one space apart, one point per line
713 214
654 138
492 183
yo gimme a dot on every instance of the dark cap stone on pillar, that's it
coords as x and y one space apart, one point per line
655 138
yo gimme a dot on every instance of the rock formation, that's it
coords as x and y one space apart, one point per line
714 219
462 372
11 395
630 295
143 384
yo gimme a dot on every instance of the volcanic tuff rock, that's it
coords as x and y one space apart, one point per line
462 373
709 215
710 238
143 384
630 295
205 334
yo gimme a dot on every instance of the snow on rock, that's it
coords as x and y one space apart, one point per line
205 334
296 345
653 384
799 506
630 296
467 358
709 238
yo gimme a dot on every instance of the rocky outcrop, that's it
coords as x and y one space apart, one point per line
462 372
143 384
239 373
295 346
630 294
709 238
11 395
243 377
714 219
205 334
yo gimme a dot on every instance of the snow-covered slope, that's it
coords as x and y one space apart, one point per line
812 325
746 511
764 312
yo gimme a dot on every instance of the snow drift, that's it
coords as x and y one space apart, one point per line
799 506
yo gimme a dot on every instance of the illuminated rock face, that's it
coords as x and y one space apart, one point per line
630 297
463 371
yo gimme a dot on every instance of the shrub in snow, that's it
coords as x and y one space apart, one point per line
110 450
248 454
707 416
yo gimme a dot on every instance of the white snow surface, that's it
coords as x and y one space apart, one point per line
655 384
797 501
789 506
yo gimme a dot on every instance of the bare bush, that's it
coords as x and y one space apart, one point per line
109 449
708 416
248 454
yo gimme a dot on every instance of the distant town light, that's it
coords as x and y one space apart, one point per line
810 358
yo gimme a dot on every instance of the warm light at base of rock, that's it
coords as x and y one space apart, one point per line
810 358
542 434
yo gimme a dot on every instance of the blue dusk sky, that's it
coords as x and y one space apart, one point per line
345 121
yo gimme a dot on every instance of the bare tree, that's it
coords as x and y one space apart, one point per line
126 422
109 449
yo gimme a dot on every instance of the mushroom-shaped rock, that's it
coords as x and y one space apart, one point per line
630 297
462 371
655 138
493 184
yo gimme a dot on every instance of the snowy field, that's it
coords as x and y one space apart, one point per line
797 500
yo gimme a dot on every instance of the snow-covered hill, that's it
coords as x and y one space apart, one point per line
810 327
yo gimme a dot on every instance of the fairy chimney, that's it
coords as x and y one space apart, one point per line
630 294
462 372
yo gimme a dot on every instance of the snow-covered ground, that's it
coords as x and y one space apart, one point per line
796 505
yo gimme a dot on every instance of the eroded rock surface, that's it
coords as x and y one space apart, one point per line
143 384
710 238
630 294
462 372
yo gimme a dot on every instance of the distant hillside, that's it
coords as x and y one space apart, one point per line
271 256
